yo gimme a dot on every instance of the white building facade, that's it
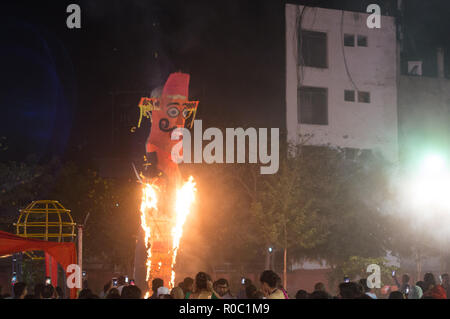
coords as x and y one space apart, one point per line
341 80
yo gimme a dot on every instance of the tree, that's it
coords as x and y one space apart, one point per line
349 193
284 216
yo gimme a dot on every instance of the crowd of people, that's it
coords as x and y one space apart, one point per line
270 287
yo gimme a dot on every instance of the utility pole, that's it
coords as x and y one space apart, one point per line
80 245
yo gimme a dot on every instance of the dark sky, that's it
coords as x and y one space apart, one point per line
56 83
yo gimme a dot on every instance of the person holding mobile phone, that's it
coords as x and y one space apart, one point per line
405 283
121 283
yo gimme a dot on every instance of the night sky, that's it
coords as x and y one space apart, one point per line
74 93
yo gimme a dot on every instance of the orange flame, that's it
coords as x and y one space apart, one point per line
149 202
185 196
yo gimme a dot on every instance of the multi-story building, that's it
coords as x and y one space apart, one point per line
341 80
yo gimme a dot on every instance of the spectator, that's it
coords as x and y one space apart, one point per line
250 292
258 295
131 292
415 292
177 293
156 283
246 282
269 283
59 293
203 288
366 290
188 285
319 294
48 292
404 286
20 290
396 295
349 290
432 289
38 291
446 284
85 293
301 294
106 287
113 293
280 286
162 291
223 289
121 283
421 284
320 286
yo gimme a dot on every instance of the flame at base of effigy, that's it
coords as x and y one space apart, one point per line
163 228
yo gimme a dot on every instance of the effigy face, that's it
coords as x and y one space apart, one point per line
168 111
172 114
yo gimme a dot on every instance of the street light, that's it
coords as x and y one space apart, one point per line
431 183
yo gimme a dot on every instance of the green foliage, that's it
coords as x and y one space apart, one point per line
284 214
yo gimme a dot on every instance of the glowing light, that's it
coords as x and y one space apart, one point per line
150 220
149 203
430 186
433 164
185 198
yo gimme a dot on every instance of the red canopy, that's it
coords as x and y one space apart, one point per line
64 253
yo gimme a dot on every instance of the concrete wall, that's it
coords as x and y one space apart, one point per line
373 68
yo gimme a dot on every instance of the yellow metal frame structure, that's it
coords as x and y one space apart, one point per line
29 224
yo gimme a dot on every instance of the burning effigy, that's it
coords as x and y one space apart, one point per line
166 197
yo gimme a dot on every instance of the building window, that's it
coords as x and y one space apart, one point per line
364 97
349 95
313 49
349 40
362 41
312 105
